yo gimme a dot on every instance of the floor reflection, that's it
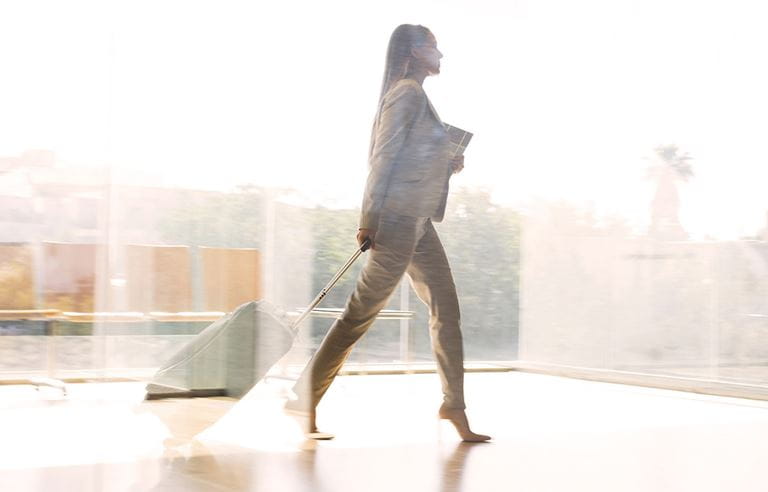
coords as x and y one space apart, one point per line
607 438
454 466
184 421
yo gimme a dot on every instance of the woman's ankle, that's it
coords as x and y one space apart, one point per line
445 409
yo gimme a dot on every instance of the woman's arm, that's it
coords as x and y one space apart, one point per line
397 116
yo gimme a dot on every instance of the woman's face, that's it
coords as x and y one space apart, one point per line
428 56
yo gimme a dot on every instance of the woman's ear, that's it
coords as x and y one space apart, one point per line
417 57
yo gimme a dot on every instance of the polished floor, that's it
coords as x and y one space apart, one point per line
550 434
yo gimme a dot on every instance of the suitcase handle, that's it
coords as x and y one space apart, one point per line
360 250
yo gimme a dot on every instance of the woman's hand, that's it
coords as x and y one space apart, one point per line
457 164
363 234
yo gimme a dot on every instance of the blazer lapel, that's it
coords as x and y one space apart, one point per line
434 111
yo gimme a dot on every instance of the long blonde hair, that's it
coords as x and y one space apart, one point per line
399 57
404 38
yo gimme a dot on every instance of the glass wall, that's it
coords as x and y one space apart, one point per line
163 164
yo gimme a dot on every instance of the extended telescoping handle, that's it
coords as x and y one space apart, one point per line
363 248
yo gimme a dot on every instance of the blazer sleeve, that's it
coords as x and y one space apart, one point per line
397 116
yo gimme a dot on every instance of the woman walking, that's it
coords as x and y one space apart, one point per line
410 163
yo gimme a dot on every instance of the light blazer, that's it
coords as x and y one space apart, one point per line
409 159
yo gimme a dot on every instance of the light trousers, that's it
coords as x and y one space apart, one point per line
402 245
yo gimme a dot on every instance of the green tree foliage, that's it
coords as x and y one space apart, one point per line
679 162
482 241
227 220
333 234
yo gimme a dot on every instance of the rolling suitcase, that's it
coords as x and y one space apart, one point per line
232 354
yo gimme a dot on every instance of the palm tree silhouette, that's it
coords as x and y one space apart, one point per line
673 166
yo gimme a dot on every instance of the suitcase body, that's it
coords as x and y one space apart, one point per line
232 354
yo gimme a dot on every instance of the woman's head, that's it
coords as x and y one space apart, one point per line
412 51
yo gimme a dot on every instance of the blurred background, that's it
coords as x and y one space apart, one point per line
162 163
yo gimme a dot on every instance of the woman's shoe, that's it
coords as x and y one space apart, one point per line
458 418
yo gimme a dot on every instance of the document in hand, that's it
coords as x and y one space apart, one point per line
459 139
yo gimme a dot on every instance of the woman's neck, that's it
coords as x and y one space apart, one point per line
417 75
